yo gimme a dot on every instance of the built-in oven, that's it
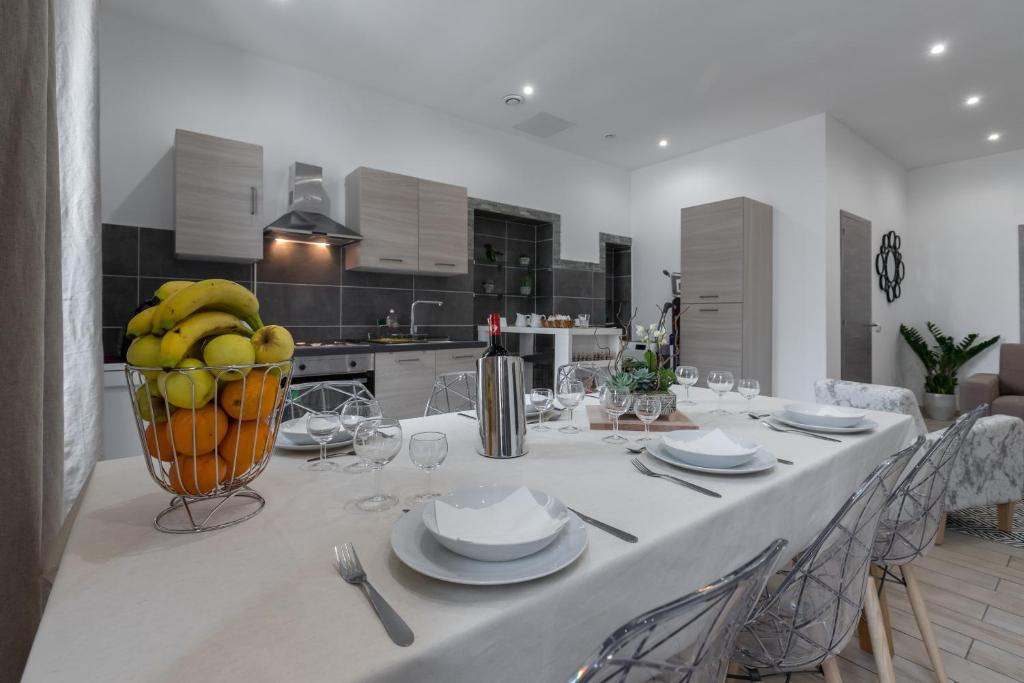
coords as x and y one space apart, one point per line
334 367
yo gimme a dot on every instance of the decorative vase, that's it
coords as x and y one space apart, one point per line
940 406
525 291
667 398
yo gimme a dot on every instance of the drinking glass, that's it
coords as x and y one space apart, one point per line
720 382
570 395
749 389
541 399
647 408
615 401
427 450
377 442
687 376
353 412
322 426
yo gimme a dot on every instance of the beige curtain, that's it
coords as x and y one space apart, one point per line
31 451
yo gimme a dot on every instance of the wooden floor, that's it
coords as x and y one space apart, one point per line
975 592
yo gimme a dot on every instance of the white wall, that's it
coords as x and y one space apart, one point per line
784 167
964 217
153 80
865 182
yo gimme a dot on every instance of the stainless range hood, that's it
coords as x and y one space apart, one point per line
308 206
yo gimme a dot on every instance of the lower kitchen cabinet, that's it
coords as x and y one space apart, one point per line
456 360
402 382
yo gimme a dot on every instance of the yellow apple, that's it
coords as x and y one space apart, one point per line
273 344
229 349
145 353
188 388
150 408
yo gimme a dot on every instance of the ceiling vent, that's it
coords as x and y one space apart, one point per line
543 125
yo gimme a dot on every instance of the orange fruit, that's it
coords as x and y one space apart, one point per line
158 441
246 443
253 397
209 425
196 476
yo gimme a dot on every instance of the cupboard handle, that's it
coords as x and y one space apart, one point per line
463 357
708 296
708 310
407 360
252 200
396 260
450 265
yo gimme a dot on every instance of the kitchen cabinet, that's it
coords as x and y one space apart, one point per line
408 225
402 382
218 198
726 288
456 360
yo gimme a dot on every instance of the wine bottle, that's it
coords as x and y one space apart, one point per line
495 348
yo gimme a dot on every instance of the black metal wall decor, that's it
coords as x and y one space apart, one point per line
889 266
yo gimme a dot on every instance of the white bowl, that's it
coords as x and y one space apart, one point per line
485 496
675 444
825 415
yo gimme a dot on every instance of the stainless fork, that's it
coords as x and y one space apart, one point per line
643 469
352 571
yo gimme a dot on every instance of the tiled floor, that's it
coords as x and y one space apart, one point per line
975 593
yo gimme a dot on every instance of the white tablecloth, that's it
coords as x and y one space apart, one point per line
262 602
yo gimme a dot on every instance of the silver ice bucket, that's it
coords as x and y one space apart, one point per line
501 406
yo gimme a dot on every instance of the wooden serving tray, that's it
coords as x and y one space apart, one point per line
631 423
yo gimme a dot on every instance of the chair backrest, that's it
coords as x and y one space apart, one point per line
452 392
687 640
1011 369
592 376
914 510
879 397
321 396
811 614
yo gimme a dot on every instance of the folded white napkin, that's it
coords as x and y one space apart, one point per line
715 442
519 518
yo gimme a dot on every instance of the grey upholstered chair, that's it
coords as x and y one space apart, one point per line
452 392
810 608
878 397
1004 391
687 640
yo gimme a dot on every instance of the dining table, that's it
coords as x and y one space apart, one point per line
263 600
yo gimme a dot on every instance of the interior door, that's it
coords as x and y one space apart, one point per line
856 279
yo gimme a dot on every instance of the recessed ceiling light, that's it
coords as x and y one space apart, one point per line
663 143
972 100
937 49
527 89
992 137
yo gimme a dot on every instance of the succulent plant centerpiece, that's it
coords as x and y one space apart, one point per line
648 376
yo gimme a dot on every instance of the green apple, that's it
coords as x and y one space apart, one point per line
150 408
145 353
229 349
273 344
188 388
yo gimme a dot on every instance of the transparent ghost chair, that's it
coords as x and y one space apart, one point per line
452 392
687 640
323 396
592 376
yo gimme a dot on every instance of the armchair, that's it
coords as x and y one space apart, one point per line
1003 391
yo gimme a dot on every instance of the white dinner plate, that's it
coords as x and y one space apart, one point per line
762 460
677 442
417 548
295 434
866 425
282 443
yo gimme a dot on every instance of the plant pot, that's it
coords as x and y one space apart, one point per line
524 260
668 400
488 287
525 291
940 406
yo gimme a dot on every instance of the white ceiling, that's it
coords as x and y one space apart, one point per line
697 72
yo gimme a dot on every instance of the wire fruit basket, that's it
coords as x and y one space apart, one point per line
207 432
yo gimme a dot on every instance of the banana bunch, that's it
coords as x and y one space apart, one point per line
178 300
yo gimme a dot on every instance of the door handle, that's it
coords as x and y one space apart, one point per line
396 260
252 200
708 310
407 360
708 296
449 265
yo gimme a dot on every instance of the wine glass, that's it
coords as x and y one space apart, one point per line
687 376
541 399
377 442
427 450
647 408
570 395
615 401
322 426
720 382
353 412
749 389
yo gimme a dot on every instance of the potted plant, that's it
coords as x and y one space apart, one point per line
942 363
525 285
648 376
524 260
491 254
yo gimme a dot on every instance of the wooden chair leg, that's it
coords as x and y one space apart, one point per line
863 635
876 628
940 535
1004 516
831 669
923 622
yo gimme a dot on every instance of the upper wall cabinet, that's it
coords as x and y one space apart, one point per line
218 198
408 225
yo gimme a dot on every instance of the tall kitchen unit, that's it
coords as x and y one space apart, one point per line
726 289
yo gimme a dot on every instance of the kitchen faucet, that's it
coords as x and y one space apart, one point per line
412 313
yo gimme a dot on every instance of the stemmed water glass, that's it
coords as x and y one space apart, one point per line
647 408
353 412
720 382
615 401
427 450
749 389
687 376
541 399
322 426
377 442
570 395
